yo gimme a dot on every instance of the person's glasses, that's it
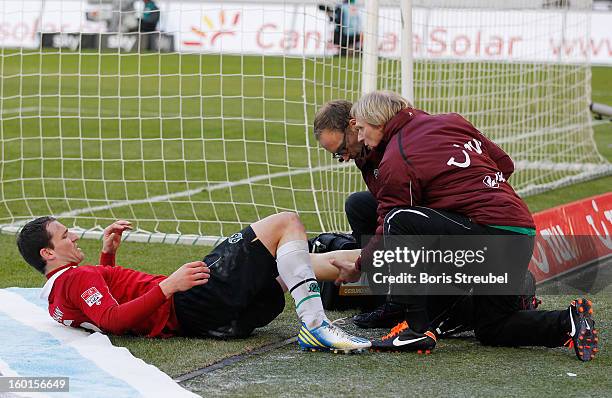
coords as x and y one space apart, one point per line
341 151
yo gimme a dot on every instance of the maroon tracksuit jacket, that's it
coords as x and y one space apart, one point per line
441 162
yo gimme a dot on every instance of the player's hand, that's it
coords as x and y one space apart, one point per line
111 239
348 272
186 277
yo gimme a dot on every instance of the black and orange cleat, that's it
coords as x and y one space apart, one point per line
402 338
583 336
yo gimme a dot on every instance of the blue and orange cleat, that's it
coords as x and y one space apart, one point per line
328 337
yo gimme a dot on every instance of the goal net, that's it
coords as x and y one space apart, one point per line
194 119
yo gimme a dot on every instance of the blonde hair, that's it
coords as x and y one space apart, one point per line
378 107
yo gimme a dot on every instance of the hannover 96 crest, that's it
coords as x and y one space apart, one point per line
237 237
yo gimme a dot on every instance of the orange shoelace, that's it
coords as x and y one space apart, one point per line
397 329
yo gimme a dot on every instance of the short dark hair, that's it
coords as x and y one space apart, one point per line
32 238
334 115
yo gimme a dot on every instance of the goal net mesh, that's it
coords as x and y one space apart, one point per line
204 126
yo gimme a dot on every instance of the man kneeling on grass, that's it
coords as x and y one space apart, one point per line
238 287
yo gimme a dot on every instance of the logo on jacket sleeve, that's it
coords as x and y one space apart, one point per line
92 296
492 181
376 173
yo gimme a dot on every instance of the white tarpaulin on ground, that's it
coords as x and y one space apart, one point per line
34 345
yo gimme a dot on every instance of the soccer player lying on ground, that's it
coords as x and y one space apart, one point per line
423 186
238 287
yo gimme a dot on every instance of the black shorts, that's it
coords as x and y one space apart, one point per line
241 294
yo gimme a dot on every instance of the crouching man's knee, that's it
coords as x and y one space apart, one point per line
352 203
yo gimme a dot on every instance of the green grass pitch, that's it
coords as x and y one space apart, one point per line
90 129
116 127
458 367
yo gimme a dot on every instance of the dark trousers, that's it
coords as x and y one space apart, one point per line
497 319
360 208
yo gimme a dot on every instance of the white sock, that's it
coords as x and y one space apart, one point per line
295 270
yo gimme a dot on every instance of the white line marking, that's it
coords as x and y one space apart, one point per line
195 191
561 166
521 165
19 110
605 168
106 112
111 113
544 131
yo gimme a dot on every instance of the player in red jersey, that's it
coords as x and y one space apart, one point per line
238 287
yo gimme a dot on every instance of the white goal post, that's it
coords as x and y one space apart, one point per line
204 125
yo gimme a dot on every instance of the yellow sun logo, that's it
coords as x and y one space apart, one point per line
224 26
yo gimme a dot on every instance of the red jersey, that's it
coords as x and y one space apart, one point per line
109 298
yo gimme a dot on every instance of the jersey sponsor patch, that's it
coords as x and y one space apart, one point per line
92 296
